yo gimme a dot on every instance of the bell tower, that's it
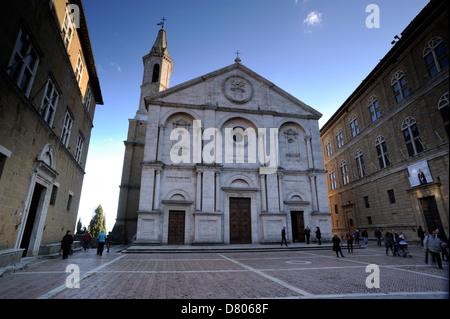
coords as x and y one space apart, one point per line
158 67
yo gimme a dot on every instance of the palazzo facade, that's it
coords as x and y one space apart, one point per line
386 148
225 158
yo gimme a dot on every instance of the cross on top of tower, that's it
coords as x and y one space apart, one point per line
162 22
237 60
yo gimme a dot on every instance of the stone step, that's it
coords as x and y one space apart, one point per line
227 248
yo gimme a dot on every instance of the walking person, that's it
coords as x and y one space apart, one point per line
434 247
421 235
66 244
318 235
356 237
365 237
337 245
349 237
86 240
283 236
307 234
444 244
378 236
109 240
101 242
389 243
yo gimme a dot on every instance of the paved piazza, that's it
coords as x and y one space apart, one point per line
311 274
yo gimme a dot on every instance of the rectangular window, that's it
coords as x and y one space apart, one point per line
366 201
391 196
54 194
67 30
49 102
369 220
67 128
2 163
336 209
69 201
79 150
23 64
79 69
87 98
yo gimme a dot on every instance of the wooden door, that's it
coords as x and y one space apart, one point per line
176 227
240 221
431 213
298 226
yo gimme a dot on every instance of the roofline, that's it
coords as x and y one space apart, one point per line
85 42
389 58
152 99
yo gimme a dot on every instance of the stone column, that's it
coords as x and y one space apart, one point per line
309 151
160 139
157 186
312 179
199 191
263 193
280 191
217 194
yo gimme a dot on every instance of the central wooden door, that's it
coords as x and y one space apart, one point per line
176 227
240 221
298 226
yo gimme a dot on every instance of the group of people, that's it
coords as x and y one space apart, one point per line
102 240
307 235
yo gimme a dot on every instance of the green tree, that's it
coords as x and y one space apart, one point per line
98 222
79 227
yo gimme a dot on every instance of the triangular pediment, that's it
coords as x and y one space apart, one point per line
233 87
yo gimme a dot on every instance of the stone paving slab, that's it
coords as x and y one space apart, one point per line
312 274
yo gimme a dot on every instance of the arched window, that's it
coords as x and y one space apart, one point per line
345 179
412 136
373 108
382 152
155 77
443 108
398 83
354 126
435 56
360 164
332 179
339 138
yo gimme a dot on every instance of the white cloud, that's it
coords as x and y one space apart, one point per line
116 66
313 19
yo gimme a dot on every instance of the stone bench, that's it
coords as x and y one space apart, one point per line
10 257
55 249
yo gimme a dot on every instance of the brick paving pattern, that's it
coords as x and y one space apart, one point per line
310 274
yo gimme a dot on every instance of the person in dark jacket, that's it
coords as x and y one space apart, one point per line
283 236
307 234
66 244
318 235
337 245
379 236
349 237
421 235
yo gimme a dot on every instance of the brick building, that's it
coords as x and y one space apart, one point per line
49 90
386 149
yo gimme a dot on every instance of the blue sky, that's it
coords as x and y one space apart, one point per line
319 51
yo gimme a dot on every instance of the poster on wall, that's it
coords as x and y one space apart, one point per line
419 174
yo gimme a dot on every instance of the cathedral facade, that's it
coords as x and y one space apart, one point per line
225 158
